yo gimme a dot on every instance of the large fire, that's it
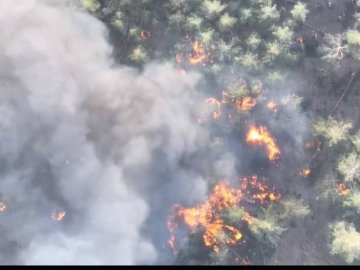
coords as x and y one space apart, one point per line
2 207
208 214
58 215
198 54
261 136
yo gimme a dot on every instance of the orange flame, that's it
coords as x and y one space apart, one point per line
305 172
205 214
241 104
247 218
272 106
2 207
198 54
261 136
263 191
208 214
342 190
245 104
58 215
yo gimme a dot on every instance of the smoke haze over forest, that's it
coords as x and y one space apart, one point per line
112 152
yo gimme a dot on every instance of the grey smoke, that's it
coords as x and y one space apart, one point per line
78 133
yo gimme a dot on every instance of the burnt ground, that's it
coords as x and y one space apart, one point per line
306 242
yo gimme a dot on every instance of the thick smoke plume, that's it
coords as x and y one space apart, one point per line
103 143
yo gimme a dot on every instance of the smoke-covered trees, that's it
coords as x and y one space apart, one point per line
292 208
219 258
266 229
212 7
268 12
91 5
349 166
194 22
138 54
226 22
355 139
209 22
345 241
353 39
342 190
272 221
118 21
299 12
333 48
253 41
249 61
333 130
241 38
352 201
283 34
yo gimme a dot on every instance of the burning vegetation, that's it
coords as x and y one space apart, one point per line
208 216
245 104
261 136
253 57
239 103
198 54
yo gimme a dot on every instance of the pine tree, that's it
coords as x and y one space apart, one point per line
333 48
353 38
138 54
349 166
345 242
332 130
353 201
91 5
283 34
268 12
299 12
213 7
226 22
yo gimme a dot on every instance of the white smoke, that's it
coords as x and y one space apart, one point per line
101 142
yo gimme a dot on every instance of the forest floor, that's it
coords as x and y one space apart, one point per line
306 242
